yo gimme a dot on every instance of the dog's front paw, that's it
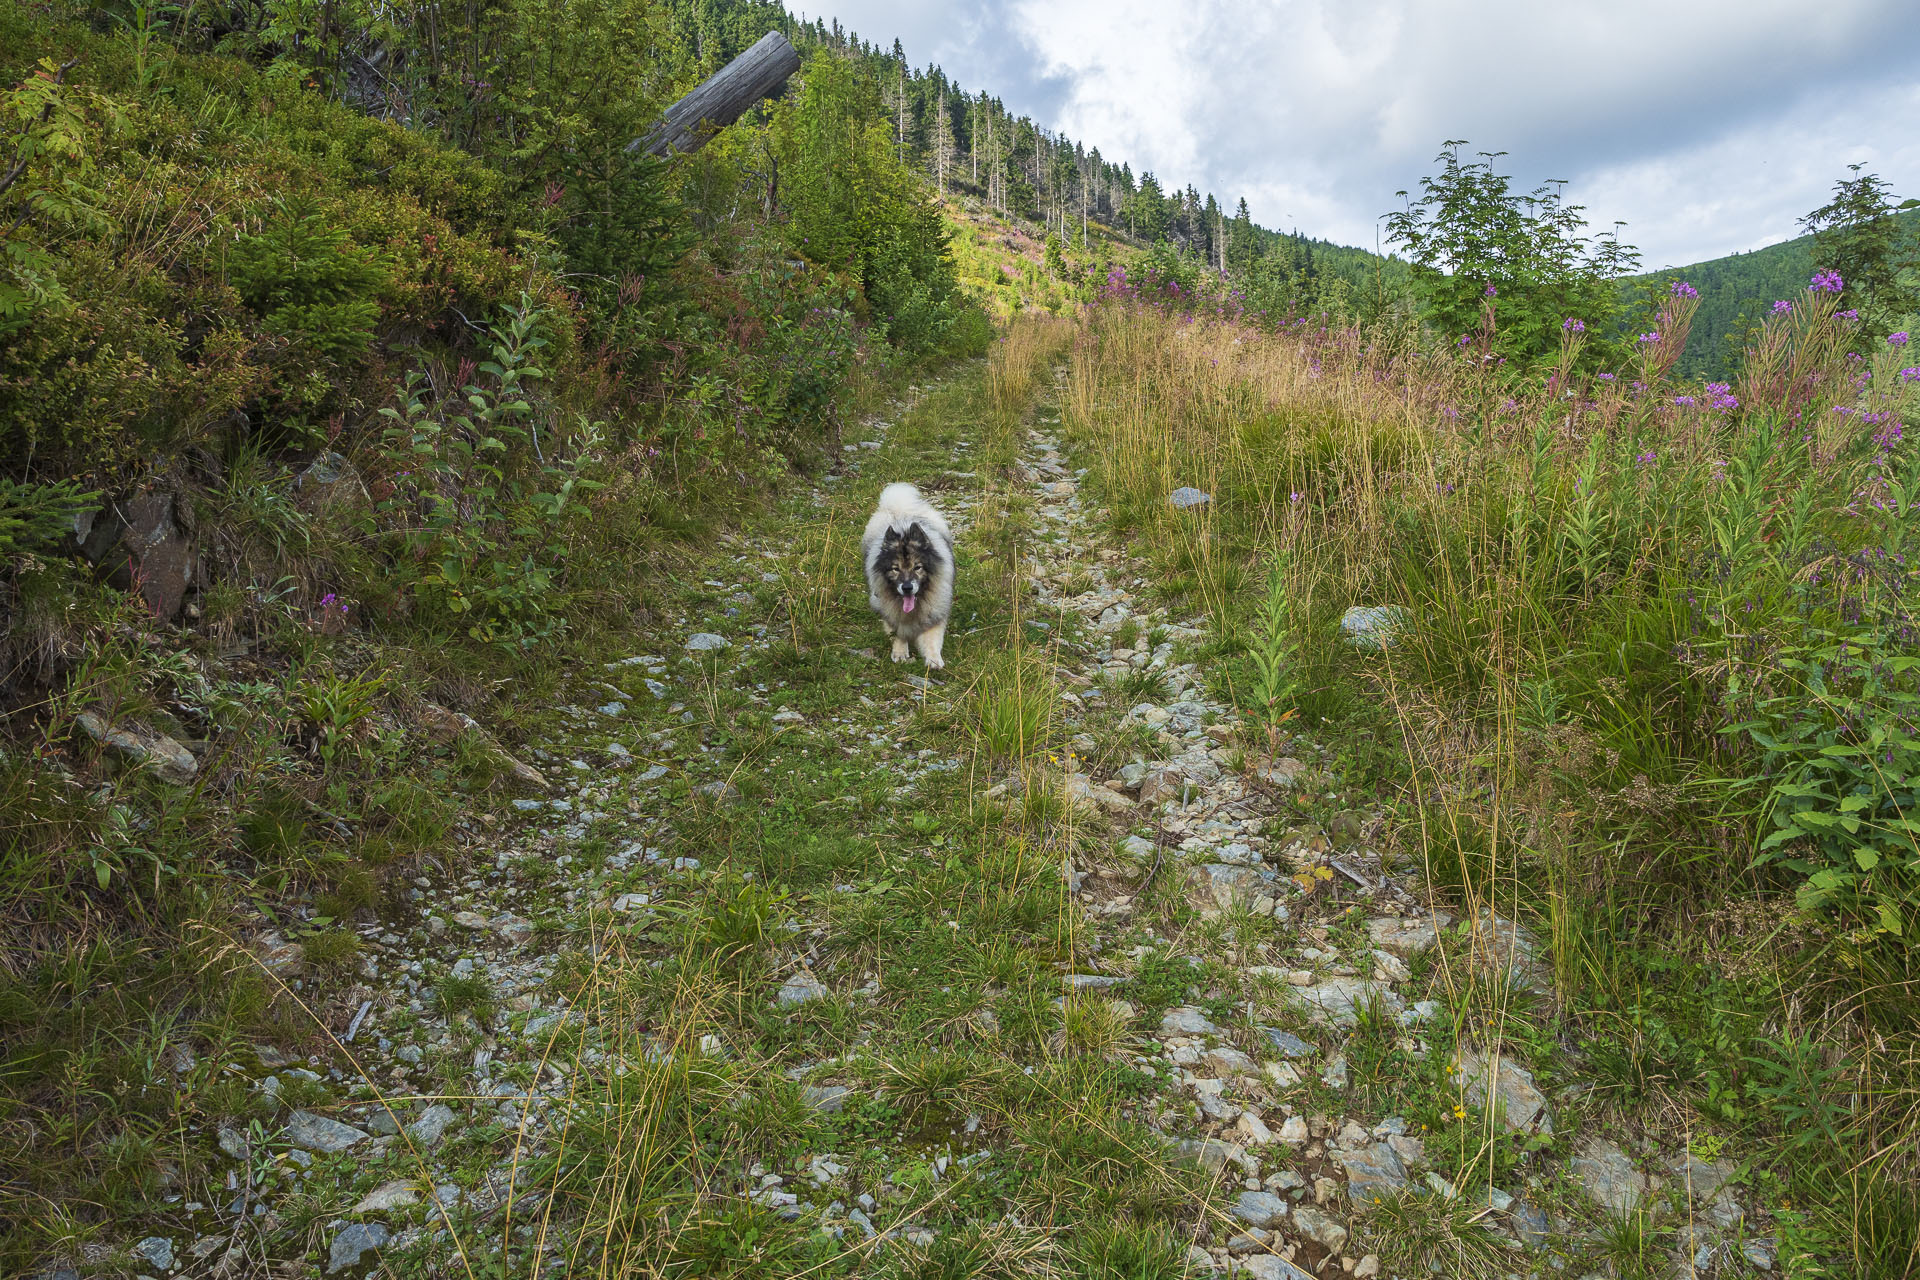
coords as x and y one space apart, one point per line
900 650
936 662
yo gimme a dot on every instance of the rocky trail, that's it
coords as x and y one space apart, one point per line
887 935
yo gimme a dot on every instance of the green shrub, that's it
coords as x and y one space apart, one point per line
308 283
36 516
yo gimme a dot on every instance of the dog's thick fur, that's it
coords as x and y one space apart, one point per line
908 552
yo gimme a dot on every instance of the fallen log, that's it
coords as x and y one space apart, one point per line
723 97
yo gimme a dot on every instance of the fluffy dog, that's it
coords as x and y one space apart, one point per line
908 551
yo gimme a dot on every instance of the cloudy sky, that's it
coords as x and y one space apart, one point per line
1707 126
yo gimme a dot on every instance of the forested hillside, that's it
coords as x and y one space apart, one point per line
1022 171
1736 293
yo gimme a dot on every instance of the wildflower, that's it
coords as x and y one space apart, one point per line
1722 396
1294 497
1570 325
1646 338
1826 282
1647 459
1849 314
1681 289
1910 375
1782 307
1685 402
1897 339
1606 377
1492 292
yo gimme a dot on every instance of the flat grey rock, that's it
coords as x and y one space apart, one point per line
1530 1222
1188 496
1259 1208
1321 1226
1608 1176
1409 936
705 641
1210 1154
1337 1001
170 762
354 1240
1372 626
432 1125
388 1196
1271 1266
801 988
1373 1172
156 1249
1093 981
1520 1104
1287 1044
1187 1021
317 1133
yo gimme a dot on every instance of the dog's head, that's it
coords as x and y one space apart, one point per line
908 562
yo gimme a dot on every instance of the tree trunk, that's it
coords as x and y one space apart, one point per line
760 72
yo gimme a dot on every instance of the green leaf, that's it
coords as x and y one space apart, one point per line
1867 859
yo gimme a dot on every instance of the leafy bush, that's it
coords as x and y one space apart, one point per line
491 506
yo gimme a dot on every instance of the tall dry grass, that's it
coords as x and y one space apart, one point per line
1599 581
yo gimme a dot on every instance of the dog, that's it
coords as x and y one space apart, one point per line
908 552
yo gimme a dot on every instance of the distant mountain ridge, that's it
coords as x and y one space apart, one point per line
1735 292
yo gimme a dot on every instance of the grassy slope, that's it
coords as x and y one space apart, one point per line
1692 1009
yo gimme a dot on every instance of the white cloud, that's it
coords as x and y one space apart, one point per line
1707 126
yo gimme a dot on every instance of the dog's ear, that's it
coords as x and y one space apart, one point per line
917 538
891 539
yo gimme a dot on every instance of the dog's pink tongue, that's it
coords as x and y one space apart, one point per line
906 604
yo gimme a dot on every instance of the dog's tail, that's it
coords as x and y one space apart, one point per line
900 503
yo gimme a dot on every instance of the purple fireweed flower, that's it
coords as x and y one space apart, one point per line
1685 402
1647 459
1294 497
1897 339
1910 375
1646 338
1782 307
1570 325
1606 377
1848 314
1722 396
1681 289
1826 282
1492 292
